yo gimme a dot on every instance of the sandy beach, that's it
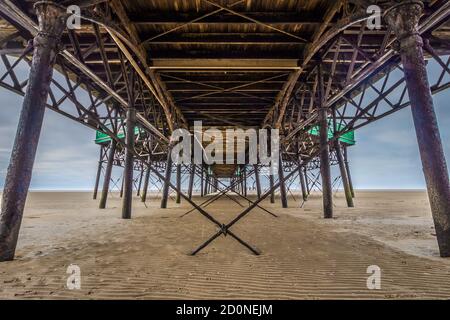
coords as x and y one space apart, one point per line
303 256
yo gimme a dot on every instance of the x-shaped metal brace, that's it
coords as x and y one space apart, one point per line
224 229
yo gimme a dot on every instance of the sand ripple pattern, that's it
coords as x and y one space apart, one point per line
146 258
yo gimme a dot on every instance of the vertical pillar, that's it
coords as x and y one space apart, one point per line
108 172
191 180
146 182
301 177
121 188
344 176
129 163
258 182
178 183
271 184
347 168
325 151
141 176
165 191
403 19
206 183
283 194
342 169
52 21
305 174
99 171
302 183
244 177
202 194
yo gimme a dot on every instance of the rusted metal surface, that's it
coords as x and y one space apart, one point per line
342 167
325 169
146 183
52 20
129 165
166 181
404 19
107 175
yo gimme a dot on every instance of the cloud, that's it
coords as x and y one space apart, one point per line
386 154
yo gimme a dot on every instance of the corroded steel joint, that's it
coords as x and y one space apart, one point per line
404 18
52 19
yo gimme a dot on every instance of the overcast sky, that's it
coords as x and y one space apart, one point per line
385 157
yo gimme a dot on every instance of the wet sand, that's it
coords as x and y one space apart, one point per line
303 256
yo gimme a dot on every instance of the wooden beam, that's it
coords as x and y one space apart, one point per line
121 13
258 64
304 18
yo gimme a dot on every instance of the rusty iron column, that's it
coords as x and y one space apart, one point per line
301 177
205 192
129 163
146 182
165 192
257 180
302 183
178 183
341 162
141 176
52 21
347 169
325 151
108 172
283 194
344 176
244 182
271 185
403 18
121 188
202 194
305 174
191 180
99 171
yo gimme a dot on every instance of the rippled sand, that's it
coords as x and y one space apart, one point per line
304 256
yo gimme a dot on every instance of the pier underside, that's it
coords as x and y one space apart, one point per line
138 72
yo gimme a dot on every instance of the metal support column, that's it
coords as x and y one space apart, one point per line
244 176
342 169
129 164
403 19
166 182
202 194
52 21
271 184
305 174
302 184
141 176
108 172
325 151
146 182
258 182
347 169
99 172
191 180
283 195
179 183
